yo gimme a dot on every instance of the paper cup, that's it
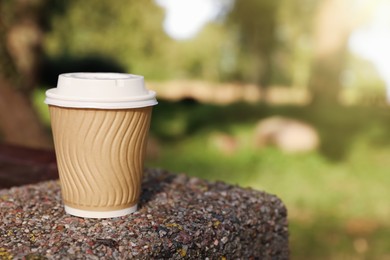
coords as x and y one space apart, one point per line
100 123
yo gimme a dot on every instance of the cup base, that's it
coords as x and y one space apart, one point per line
99 214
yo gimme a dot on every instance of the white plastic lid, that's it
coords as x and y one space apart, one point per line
100 90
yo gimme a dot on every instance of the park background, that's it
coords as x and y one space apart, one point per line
220 67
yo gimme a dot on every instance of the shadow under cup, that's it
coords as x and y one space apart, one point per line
100 155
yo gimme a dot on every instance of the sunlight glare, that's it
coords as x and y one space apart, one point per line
372 42
184 19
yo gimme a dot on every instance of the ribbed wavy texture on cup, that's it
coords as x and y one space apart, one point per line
100 155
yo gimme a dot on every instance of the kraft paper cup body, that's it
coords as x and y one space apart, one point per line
100 156
100 139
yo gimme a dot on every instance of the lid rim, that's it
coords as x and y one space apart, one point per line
49 93
101 105
98 76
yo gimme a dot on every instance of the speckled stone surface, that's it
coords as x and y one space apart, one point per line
179 218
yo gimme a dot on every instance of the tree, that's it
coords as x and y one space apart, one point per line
20 49
335 21
130 32
296 42
255 22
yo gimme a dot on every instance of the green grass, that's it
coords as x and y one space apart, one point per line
322 196
337 197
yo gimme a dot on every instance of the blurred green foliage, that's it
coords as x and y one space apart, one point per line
128 31
259 41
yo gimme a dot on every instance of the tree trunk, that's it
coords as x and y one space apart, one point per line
335 21
257 24
19 123
331 34
20 51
